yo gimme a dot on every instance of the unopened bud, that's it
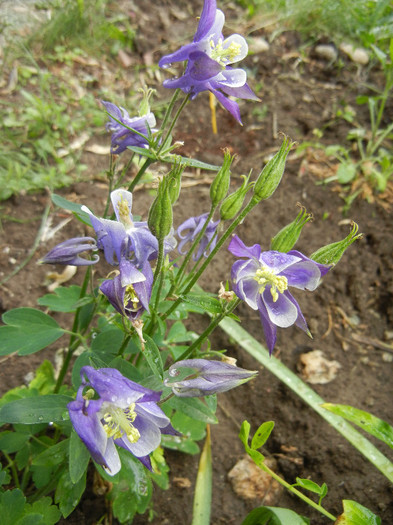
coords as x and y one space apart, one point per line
144 108
160 214
234 202
286 238
220 184
174 181
332 253
270 176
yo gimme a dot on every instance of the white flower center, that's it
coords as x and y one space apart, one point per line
266 276
118 421
225 55
130 296
124 213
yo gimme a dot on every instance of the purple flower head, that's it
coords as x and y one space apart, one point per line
200 377
67 252
119 124
261 279
194 225
130 291
125 237
209 57
110 409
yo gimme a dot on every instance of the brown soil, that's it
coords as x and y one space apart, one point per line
350 315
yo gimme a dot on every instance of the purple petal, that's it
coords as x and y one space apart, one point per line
283 312
244 92
228 104
150 438
180 55
239 249
304 275
323 268
269 328
203 67
206 20
277 260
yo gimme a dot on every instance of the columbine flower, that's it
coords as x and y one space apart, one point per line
208 58
194 225
110 409
129 292
122 136
262 281
67 252
200 377
126 237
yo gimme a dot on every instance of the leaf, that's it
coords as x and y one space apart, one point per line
203 488
244 434
371 424
189 427
346 173
63 300
53 455
44 380
207 303
50 514
191 163
71 206
274 516
28 331
153 357
193 408
12 441
108 342
182 444
12 503
68 494
33 410
356 514
307 484
262 434
79 458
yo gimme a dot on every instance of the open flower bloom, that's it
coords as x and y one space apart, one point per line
110 409
125 237
209 57
130 291
67 252
194 225
261 279
201 377
122 136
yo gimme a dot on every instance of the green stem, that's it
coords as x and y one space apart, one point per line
204 335
139 175
73 337
11 464
172 125
169 110
253 202
124 344
299 494
195 243
110 179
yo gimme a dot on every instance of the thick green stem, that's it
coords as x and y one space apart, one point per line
296 492
11 464
139 175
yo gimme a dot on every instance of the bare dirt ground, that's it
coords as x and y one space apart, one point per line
350 315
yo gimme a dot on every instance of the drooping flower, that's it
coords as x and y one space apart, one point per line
125 237
129 292
209 57
201 377
112 410
261 279
67 252
119 124
194 225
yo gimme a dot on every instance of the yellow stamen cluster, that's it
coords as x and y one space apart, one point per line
124 212
278 283
118 422
130 296
225 55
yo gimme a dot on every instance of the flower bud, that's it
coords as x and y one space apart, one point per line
286 238
332 253
160 214
144 108
234 202
201 377
270 176
220 184
174 181
67 252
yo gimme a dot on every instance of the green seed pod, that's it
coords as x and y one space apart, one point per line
144 107
220 184
160 214
234 202
286 238
332 253
270 176
174 181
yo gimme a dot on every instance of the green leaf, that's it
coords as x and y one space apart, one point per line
189 427
144 152
262 434
79 458
28 331
192 163
193 408
207 303
12 503
124 507
12 441
44 380
71 206
153 357
50 514
182 444
108 342
307 484
68 494
63 300
178 333
244 434
274 516
356 514
33 410
371 424
4 476
203 487
346 173
126 368
53 455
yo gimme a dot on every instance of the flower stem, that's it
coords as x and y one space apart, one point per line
172 125
139 175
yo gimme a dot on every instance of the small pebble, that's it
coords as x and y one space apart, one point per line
356 54
258 45
327 52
